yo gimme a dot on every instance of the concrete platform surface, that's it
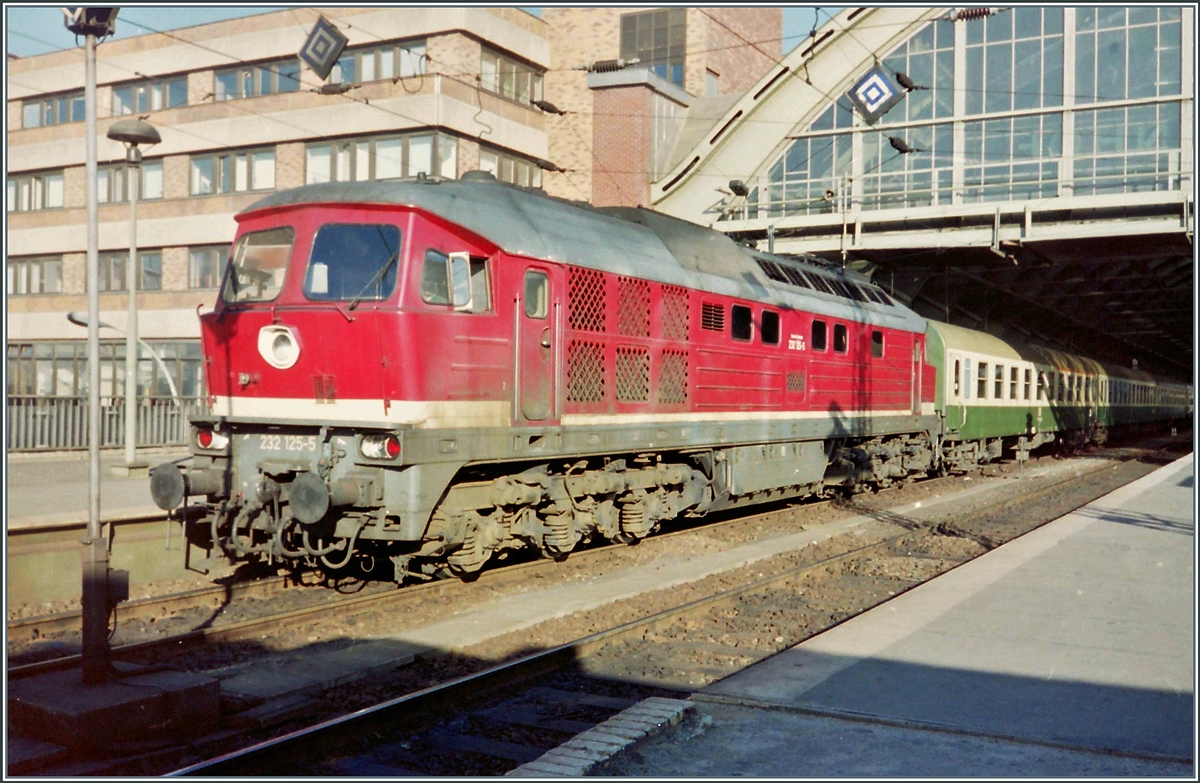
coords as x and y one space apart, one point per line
53 490
58 708
1069 645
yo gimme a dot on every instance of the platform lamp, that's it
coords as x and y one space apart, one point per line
132 133
93 23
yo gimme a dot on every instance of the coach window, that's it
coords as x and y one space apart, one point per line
982 383
841 338
770 327
1012 383
999 382
818 335
353 262
957 383
1061 386
877 344
1028 374
1041 385
536 294
742 328
966 379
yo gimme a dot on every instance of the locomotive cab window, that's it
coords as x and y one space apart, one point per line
819 332
455 279
742 328
353 262
841 338
877 344
537 294
256 269
770 327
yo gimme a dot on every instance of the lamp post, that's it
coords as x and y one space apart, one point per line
131 133
90 23
81 320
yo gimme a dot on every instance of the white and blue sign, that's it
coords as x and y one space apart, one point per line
875 94
323 47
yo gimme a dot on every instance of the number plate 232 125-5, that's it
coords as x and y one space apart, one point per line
291 443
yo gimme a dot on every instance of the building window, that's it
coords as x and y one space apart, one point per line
57 110
510 168
1127 53
1127 149
392 157
380 62
111 182
59 369
230 172
658 39
150 96
928 59
1012 158
29 192
112 271
35 275
712 84
1015 60
205 265
253 81
509 78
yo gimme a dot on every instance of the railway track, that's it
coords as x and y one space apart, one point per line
215 629
218 597
677 649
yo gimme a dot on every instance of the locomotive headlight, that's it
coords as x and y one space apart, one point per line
379 446
209 439
278 346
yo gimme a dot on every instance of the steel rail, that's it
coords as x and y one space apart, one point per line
253 627
407 710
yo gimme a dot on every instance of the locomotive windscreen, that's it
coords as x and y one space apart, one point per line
255 272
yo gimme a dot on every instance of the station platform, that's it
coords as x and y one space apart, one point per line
1067 652
53 489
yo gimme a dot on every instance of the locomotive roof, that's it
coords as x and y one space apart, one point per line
621 240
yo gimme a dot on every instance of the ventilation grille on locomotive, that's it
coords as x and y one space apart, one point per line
674 313
712 317
633 374
673 377
585 291
795 382
633 307
585 372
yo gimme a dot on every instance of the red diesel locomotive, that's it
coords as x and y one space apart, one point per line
431 372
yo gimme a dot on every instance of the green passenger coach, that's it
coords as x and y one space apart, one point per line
994 393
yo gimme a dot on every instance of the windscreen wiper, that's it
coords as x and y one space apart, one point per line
375 279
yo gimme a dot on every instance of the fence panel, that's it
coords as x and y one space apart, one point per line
61 423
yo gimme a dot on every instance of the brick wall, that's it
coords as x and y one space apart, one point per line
75 187
740 66
74 273
621 155
174 268
176 170
454 55
289 165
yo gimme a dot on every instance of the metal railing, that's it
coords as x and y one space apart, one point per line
61 423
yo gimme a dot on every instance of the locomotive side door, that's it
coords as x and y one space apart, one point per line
917 366
536 347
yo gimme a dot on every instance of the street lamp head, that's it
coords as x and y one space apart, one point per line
81 319
99 22
132 133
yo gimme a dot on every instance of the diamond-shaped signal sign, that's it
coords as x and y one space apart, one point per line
323 47
875 94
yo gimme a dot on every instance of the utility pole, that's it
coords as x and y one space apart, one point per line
90 22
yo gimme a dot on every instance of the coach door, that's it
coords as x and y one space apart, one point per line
536 347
